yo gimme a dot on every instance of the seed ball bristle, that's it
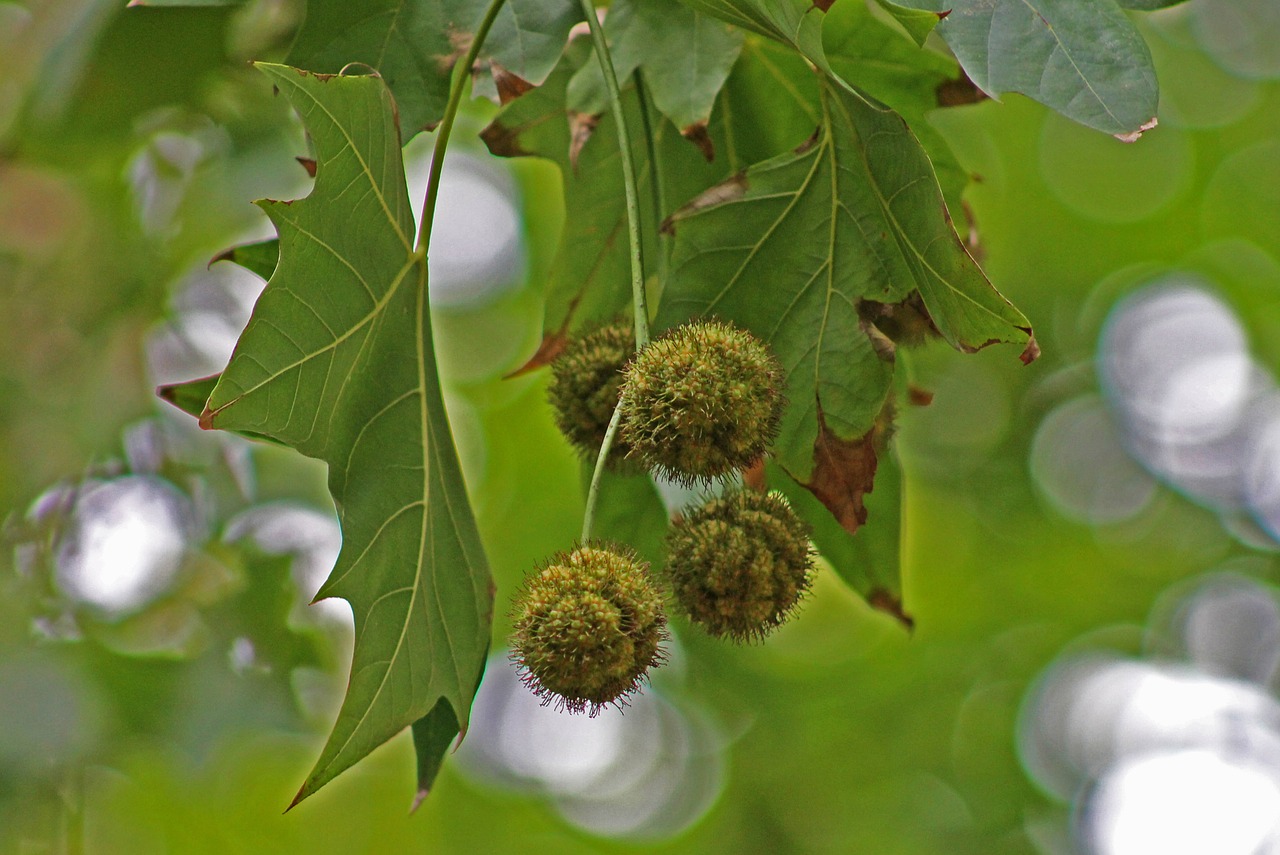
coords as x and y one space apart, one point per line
585 380
701 401
740 564
587 627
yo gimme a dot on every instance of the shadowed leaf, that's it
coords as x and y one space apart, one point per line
684 56
414 45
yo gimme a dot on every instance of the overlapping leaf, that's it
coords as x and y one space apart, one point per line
590 278
918 23
794 246
685 57
1083 58
414 45
337 362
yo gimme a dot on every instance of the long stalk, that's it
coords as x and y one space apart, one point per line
640 304
458 85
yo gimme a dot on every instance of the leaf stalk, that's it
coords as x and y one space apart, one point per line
640 303
461 72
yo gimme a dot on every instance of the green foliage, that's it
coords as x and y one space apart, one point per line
338 363
1083 58
782 186
415 44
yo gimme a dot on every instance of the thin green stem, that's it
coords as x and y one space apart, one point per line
593 491
458 85
628 174
655 172
640 302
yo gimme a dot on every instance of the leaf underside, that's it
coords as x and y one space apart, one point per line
337 362
1082 58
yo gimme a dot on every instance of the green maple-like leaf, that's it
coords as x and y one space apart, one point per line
337 362
1083 58
792 248
414 45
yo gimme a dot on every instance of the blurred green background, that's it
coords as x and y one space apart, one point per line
180 714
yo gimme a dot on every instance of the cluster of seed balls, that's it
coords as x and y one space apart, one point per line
701 402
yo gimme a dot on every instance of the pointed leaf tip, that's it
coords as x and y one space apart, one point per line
884 601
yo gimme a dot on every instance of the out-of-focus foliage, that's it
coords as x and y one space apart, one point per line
131 144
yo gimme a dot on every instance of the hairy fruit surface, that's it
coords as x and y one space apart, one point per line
585 380
587 627
739 564
702 401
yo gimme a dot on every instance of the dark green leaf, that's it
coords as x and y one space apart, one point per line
683 55
872 57
414 45
260 258
590 278
791 248
191 396
337 362
1083 58
918 23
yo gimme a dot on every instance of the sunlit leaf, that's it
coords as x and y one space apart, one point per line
337 362
918 23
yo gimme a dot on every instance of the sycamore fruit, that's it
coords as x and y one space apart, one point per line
587 627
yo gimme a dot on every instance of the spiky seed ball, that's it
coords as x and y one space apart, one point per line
739 564
585 380
587 627
701 401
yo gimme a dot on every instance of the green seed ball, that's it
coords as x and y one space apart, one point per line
740 564
585 380
703 400
587 627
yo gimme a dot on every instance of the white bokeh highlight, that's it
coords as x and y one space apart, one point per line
124 544
1165 755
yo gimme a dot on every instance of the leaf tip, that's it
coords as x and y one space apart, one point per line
1133 136
510 85
1032 350
883 600
697 134
581 127
551 346
729 190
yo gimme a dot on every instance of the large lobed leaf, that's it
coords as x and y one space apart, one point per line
414 45
792 247
1083 58
337 362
